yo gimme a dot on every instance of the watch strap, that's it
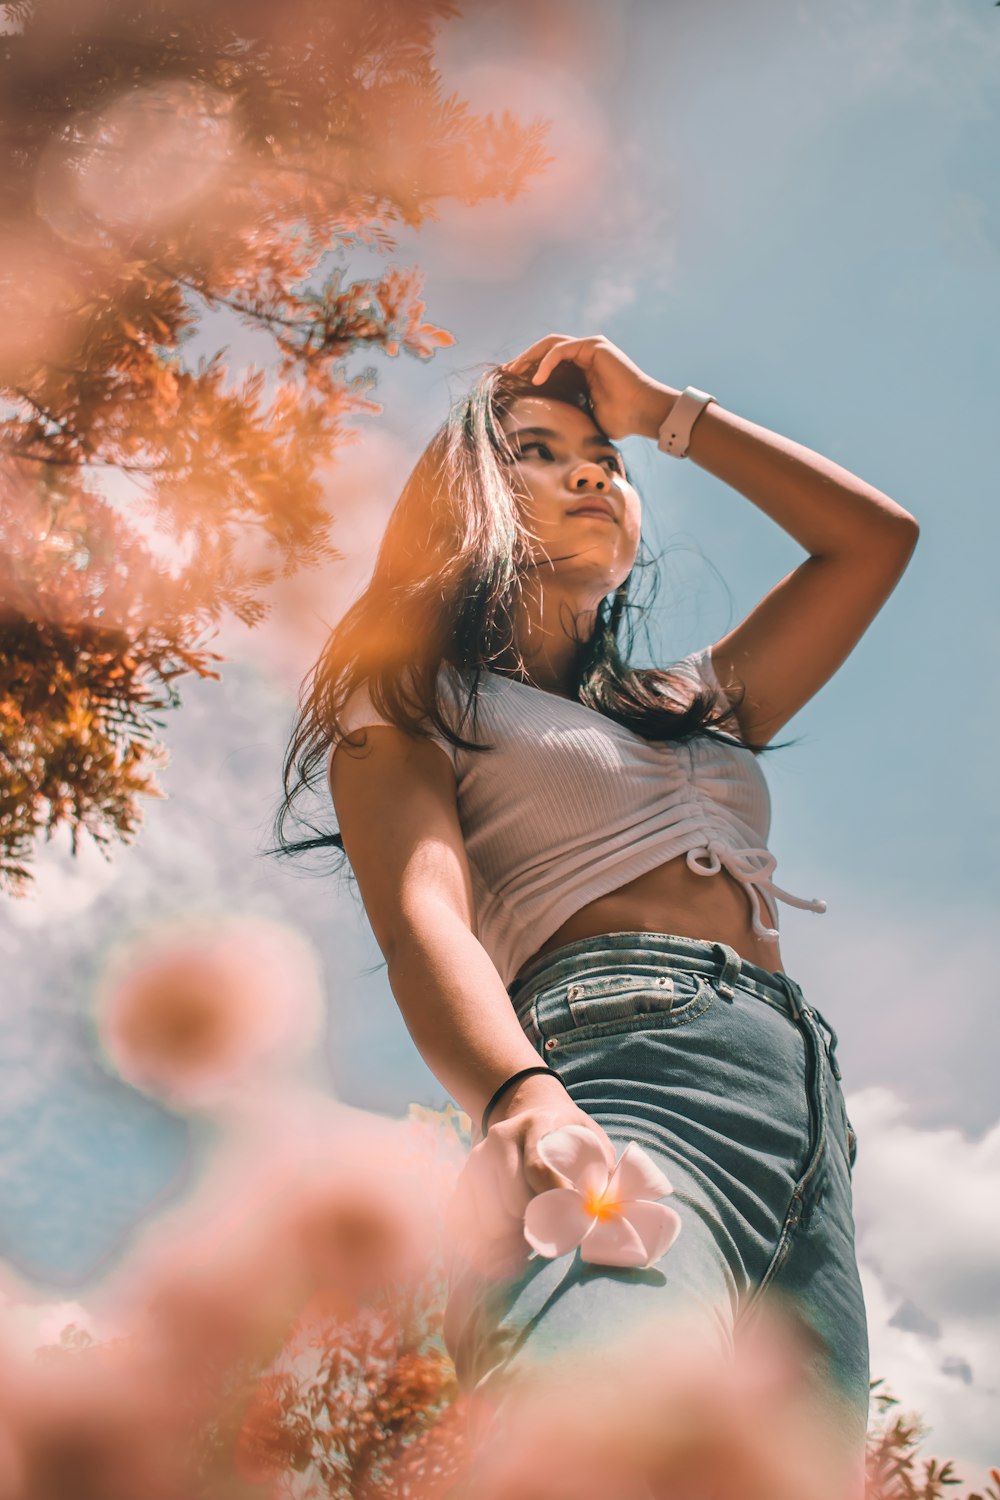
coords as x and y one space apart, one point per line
675 434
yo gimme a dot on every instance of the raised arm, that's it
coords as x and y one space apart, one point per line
396 806
859 541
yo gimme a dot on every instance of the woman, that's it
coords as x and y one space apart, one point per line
564 858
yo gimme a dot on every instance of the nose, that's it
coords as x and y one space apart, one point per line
588 476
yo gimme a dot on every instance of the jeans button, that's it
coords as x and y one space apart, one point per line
574 992
550 1043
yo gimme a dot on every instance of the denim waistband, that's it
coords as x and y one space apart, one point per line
640 950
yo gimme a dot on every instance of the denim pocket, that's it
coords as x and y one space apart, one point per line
613 1005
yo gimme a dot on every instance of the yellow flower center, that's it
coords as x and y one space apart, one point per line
599 1208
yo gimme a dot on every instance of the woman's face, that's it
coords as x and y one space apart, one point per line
583 515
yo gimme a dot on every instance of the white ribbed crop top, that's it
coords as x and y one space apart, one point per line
571 805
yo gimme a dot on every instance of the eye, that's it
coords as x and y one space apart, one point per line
544 451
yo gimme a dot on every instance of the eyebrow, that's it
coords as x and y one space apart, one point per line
549 432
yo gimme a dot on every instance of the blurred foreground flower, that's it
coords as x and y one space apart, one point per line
196 1011
661 1415
85 1422
284 1320
335 1211
281 1336
614 1219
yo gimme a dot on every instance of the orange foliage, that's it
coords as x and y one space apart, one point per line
164 160
250 1365
896 1469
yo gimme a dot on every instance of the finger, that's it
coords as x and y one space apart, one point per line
576 350
496 1250
509 1255
513 1189
535 351
470 1200
501 1260
493 1238
492 1218
470 1224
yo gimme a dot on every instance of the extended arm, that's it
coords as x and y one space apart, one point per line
396 805
394 808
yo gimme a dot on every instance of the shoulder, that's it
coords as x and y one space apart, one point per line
451 686
365 707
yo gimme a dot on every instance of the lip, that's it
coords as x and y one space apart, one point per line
593 508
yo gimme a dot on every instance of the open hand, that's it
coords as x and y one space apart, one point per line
624 398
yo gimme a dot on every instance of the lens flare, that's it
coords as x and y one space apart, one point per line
147 159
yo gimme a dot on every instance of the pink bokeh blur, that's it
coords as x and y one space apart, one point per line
192 1012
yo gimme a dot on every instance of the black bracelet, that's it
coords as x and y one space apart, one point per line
514 1078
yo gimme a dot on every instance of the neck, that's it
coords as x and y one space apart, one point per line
544 630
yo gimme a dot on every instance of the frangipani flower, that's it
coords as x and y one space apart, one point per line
613 1218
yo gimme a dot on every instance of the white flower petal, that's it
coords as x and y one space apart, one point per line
576 1153
613 1242
656 1225
636 1176
556 1221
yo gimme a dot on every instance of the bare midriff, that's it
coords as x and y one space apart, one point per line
672 898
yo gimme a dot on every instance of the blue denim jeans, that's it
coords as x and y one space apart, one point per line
729 1079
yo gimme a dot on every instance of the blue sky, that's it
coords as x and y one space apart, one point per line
796 209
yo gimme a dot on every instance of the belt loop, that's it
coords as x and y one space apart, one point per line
731 964
834 1065
832 1048
793 992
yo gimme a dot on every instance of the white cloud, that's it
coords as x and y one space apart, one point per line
25 1324
911 46
608 295
908 990
931 1208
64 885
928 1213
497 238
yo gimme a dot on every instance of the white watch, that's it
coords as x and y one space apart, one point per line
675 434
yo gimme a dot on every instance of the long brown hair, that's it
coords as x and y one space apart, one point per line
444 588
